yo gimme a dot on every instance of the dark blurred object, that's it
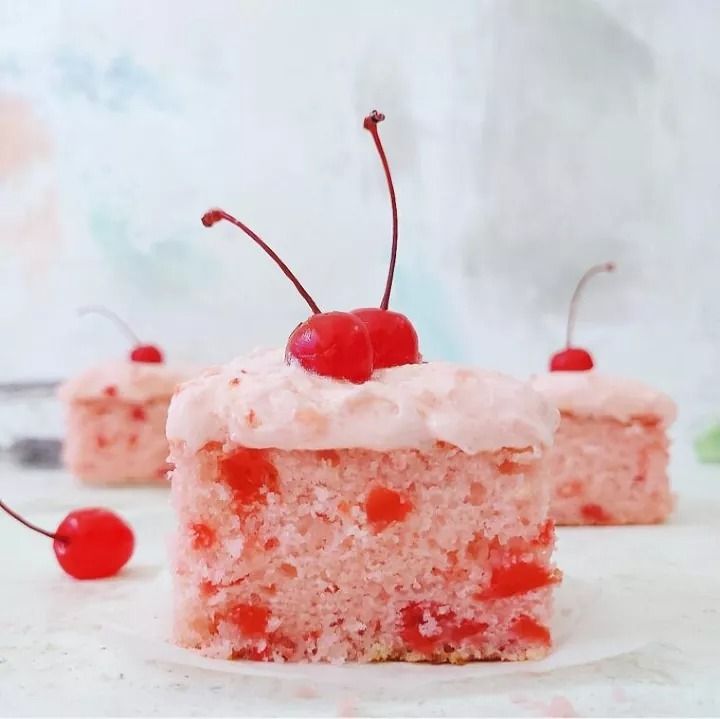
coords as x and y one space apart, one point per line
35 452
29 388
29 409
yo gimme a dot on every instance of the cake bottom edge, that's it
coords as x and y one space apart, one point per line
460 656
385 654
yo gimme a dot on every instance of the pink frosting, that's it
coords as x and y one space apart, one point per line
260 401
131 381
599 395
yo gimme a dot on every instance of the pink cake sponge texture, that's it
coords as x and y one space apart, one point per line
305 533
610 456
116 415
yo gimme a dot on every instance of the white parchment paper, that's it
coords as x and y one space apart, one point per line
590 624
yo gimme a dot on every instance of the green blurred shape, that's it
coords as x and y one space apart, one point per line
707 445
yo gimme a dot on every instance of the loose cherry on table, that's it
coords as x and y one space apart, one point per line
141 352
346 345
576 359
91 543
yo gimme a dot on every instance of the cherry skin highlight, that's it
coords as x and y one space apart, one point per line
332 344
146 353
393 337
91 543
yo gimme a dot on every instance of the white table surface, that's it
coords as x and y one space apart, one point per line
57 658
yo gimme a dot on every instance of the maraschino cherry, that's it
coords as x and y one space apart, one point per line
393 337
345 345
90 543
576 359
141 352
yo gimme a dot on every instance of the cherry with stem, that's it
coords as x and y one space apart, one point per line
90 543
394 339
345 345
145 353
576 359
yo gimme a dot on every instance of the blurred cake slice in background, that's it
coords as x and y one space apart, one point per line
610 456
116 413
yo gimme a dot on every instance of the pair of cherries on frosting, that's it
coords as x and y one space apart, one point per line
351 345
346 345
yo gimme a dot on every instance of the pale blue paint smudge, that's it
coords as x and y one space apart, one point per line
128 80
79 75
174 265
10 67
115 86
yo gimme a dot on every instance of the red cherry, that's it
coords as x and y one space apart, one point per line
141 352
332 344
393 337
572 359
91 543
575 359
146 353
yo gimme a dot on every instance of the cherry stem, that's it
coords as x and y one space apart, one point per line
29 525
114 318
370 123
213 216
594 270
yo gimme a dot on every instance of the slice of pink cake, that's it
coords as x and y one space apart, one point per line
609 461
116 416
405 518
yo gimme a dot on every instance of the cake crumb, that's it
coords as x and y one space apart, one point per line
558 706
619 694
347 707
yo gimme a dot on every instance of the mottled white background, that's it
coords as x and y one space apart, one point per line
529 139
